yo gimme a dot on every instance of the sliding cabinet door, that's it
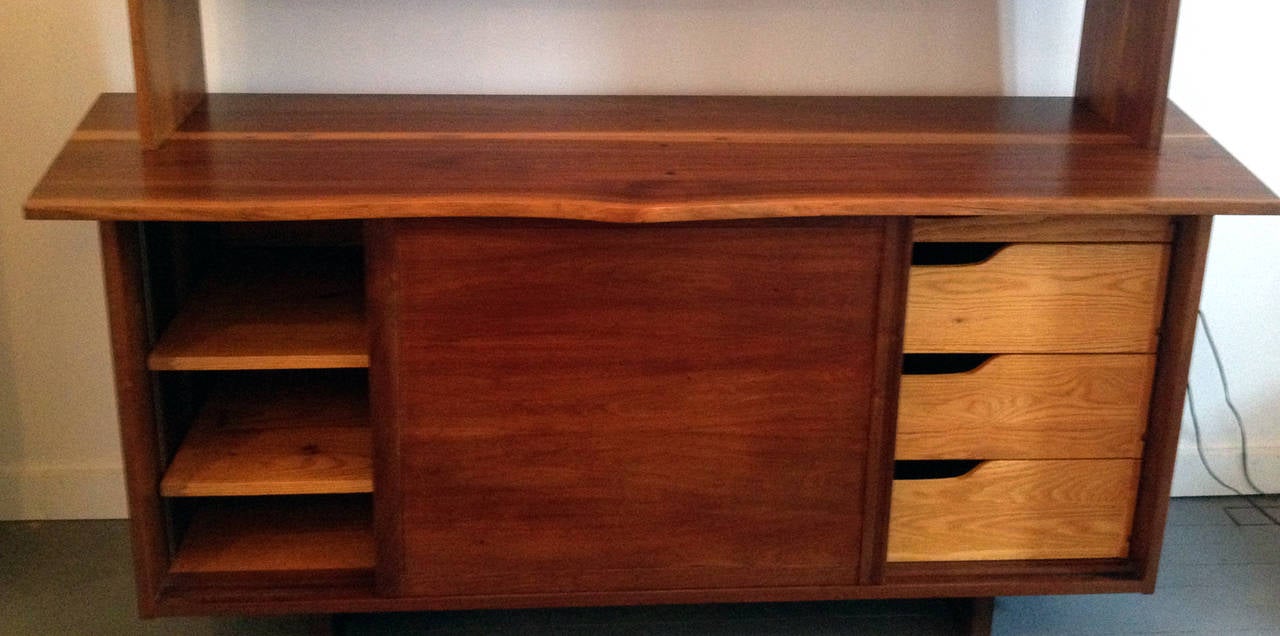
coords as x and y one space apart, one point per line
571 408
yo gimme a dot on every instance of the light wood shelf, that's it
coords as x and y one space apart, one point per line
278 535
634 159
287 309
274 434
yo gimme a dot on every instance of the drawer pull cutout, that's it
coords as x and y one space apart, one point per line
922 469
942 363
925 254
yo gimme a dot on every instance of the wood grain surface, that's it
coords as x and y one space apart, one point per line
262 434
1003 510
1044 229
1029 407
636 160
168 64
1173 364
141 423
595 408
888 362
301 535
1126 54
382 290
271 309
1041 298
615 117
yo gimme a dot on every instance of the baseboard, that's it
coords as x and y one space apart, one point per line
1191 480
62 492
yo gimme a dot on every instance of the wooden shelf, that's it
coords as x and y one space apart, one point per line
274 434
297 535
634 159
278 309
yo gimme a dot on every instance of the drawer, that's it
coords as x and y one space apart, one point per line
1049 228
1025 407
1013 510
1039 298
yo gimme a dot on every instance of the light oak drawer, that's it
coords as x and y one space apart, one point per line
1105 228
1025 407
1040 298
1011 510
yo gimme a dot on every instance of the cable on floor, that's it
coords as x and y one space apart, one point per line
1239 421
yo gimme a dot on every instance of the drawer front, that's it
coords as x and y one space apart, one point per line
1040 298
1014 510
1028 407
1044 229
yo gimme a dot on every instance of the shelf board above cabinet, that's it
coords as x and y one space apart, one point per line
634 160
271 309
277 434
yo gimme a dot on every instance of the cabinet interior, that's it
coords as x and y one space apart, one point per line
260 366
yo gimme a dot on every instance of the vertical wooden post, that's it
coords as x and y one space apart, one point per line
382 284
123 272
168 65
1173 363
1125 55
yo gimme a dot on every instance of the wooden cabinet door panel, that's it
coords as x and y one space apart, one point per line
579 407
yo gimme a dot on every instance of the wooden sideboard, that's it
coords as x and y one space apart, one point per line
380 353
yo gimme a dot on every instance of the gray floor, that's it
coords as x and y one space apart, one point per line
1219 576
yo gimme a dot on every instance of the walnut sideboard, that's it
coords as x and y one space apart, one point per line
430 352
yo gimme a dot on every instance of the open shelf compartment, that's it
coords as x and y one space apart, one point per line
270 308
277 433
287 539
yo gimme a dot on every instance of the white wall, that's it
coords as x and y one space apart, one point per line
1226 77
59 455
58 448
640 46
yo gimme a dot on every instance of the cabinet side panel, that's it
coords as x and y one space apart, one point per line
1126 53
1173 363
168 64
595 407
126 309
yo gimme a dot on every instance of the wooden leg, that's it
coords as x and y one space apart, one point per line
974 615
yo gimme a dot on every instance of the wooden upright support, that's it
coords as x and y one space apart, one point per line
1125 55
168 61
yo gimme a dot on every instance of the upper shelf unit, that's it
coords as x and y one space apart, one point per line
182 154
633 159
1122 77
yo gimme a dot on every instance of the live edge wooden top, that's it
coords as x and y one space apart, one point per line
633 159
